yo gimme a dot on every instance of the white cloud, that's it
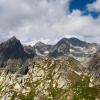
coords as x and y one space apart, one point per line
94 6
45 20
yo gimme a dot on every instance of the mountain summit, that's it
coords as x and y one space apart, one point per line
12 48
60 49
41 48
77 42
13 55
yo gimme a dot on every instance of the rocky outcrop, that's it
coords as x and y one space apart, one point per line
95 61
94 68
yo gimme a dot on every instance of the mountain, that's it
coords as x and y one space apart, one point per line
76 42
41 48
13 55
12 49
60 49
30 73
80 49
64 47
30 50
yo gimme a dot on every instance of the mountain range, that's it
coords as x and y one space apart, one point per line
12 49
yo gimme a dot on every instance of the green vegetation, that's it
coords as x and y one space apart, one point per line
82 91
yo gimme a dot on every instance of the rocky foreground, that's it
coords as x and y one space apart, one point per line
49 79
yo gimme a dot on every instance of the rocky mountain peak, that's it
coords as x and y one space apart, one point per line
63 41
12 54
41 48
39 43
61 48
13 38
12 48
76 42
12 41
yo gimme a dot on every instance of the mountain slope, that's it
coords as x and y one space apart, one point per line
94 68
12 55
47 78
41 48
12 49
60 49
77 42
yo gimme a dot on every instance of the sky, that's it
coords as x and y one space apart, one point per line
49 20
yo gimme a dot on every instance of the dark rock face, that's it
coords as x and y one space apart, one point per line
30 51
12 49
64 45
41 47
77 42
60 49
13 55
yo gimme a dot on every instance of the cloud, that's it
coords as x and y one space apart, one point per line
30 18
94 6
45 20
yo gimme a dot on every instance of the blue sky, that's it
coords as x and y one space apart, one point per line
49 20
82 6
